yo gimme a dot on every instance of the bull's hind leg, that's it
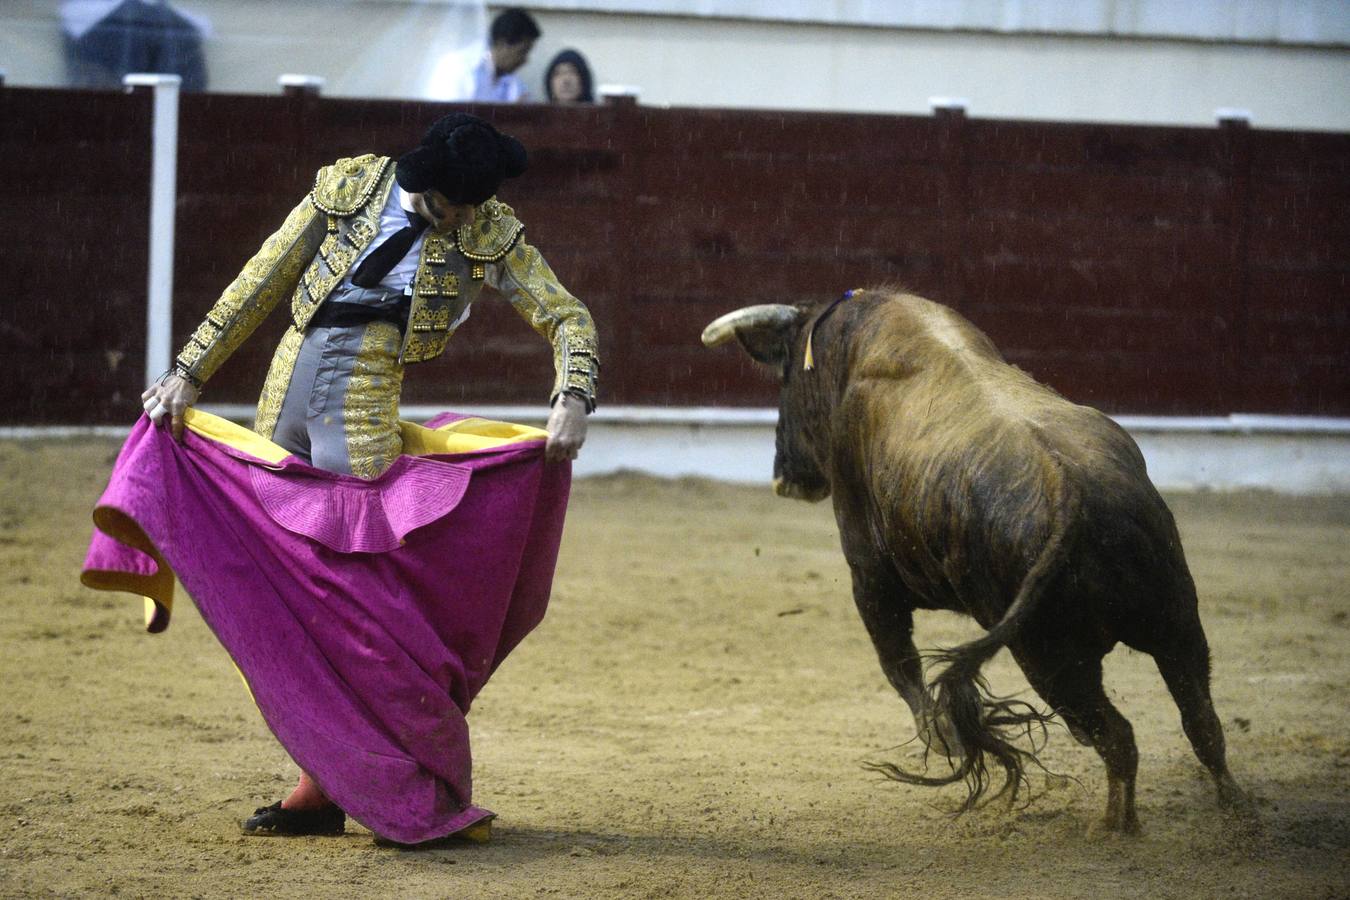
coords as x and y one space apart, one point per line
886 612
1072 686
1185 668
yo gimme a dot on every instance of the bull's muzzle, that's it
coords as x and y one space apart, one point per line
794 491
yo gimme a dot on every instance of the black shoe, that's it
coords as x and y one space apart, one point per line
269 820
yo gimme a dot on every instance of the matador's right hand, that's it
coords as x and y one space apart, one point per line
170 396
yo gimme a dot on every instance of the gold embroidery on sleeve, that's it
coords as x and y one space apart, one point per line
534 292
272 273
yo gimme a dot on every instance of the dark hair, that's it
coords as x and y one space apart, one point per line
514 26
463 157
576 59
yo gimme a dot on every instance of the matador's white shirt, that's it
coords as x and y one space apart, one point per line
393 218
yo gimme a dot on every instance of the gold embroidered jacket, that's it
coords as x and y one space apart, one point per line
315 247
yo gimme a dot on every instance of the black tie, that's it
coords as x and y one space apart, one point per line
387 255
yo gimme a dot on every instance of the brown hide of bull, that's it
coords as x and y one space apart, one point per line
961 483
955 462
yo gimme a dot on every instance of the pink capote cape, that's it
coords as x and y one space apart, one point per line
364 615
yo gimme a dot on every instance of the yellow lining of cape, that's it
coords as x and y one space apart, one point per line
463 436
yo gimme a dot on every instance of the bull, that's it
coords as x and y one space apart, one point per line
961 483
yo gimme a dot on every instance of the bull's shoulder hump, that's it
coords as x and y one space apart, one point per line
953 332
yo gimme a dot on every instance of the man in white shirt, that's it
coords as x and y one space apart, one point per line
492 80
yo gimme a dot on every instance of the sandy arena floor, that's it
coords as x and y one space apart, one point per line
689 721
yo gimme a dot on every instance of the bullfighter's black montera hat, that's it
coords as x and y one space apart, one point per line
464 158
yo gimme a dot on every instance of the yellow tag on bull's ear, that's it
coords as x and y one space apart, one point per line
809 357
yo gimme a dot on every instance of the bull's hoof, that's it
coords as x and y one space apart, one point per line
941 739
1127 824
1240 808
945 746
1121 816
1233 798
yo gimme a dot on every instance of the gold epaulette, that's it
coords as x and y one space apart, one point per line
492 233
347 185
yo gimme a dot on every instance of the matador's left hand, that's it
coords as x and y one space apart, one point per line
566 429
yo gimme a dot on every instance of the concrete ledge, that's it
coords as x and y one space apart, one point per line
1288 454
724 416
1238 423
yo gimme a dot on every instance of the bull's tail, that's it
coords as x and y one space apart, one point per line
982 726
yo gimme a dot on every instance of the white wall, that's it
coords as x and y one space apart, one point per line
713 62
1287 61
1290 454
1262 21
369 49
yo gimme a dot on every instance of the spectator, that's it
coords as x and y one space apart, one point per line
568 79
493 79
106 39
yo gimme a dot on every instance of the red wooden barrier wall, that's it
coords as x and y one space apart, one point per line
1139 269
74 232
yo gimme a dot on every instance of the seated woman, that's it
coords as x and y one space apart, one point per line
568 79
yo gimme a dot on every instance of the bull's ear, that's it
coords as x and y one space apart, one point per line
765 345
764 331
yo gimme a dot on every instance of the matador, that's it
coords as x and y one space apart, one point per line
380 263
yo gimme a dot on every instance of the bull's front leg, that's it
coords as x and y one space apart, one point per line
884 603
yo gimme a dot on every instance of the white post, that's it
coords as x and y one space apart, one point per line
1233 115
948 104
163 201
618 94
294 83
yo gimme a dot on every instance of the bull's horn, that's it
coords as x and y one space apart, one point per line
723 328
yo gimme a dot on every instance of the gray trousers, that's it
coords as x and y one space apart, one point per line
340 412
